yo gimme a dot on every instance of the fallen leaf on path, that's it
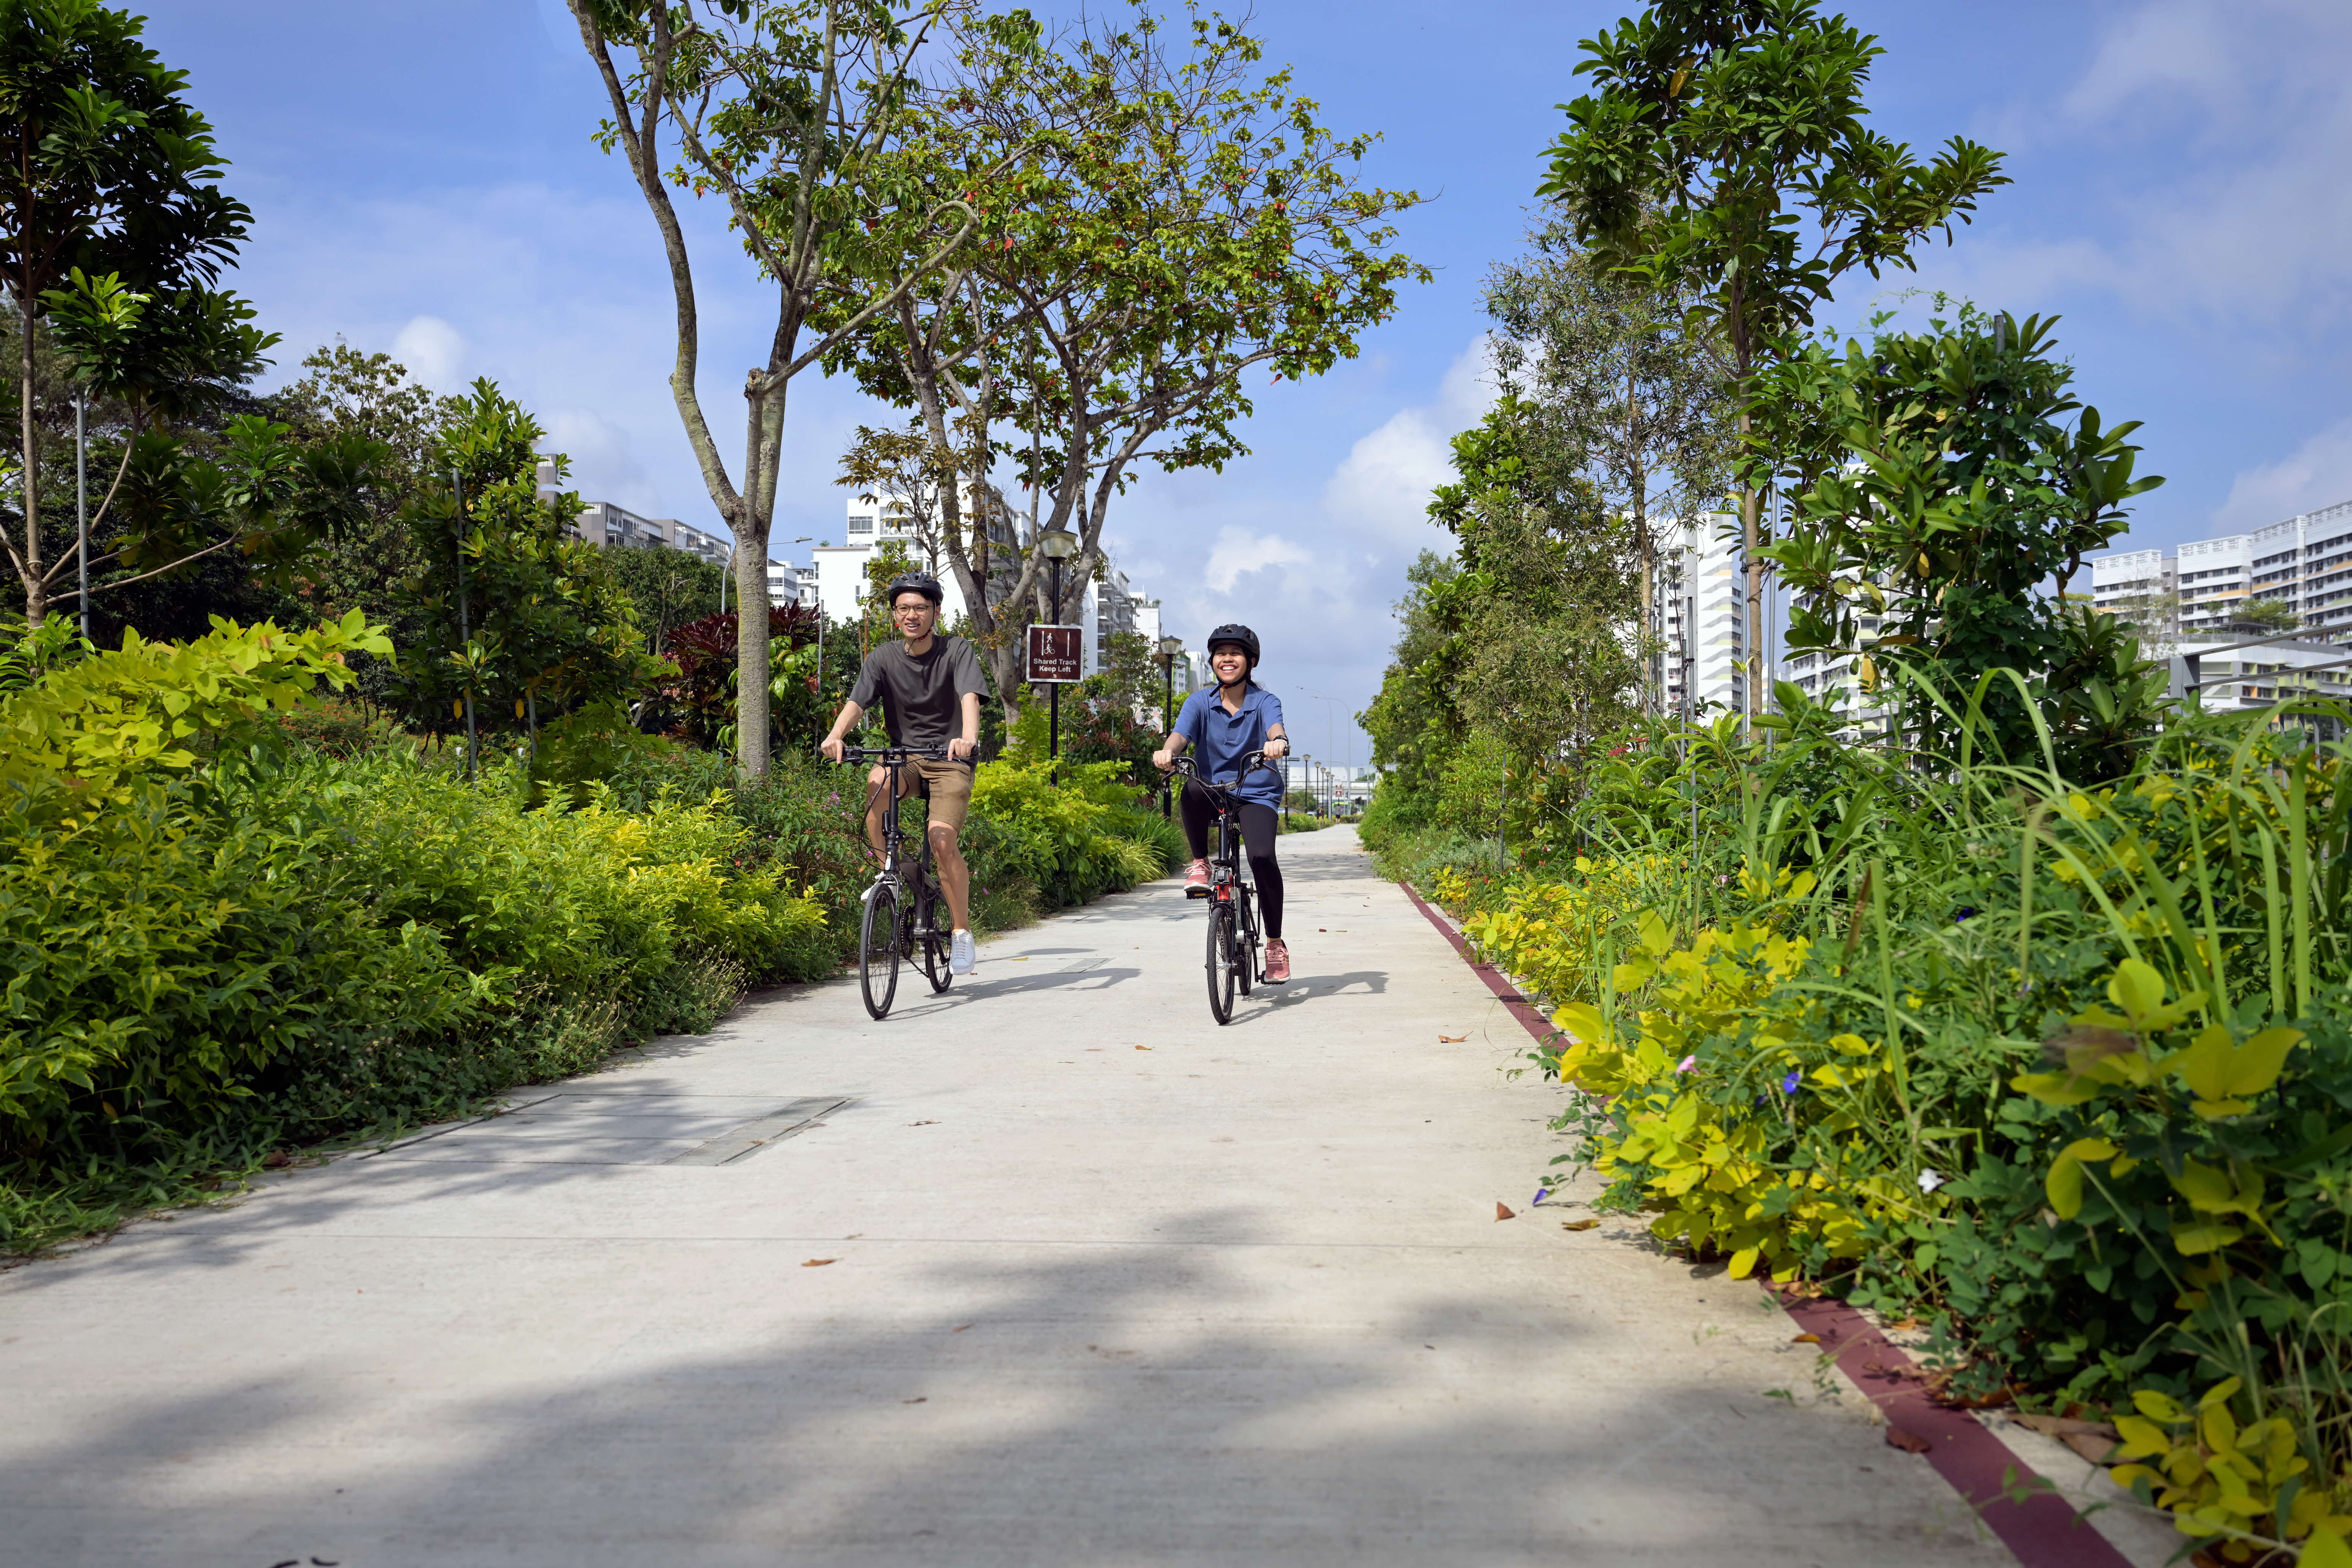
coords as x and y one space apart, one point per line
1806 1340
1452 1039
922 1124
1143 1047
2093 1447
277 1160
2095 1440
1579 1224
1909 1442
819 1262
959 1328
1903 1325
919 1399
1503 1211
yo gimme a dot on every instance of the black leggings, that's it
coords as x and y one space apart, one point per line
1258 829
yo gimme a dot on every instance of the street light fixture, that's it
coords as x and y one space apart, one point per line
1166 648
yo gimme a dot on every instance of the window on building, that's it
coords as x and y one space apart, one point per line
861 523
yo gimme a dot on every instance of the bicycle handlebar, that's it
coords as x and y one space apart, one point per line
1250 763
890 756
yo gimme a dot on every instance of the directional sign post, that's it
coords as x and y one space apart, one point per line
1056 654
1057 657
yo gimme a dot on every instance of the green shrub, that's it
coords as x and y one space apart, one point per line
164 954
1075 841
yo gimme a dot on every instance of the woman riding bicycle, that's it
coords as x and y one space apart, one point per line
1225 723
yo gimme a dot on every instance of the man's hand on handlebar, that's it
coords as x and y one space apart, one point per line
961 749
831 747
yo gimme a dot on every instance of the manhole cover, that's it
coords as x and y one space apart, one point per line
589 1129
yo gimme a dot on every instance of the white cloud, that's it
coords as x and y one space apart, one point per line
2168 49
1382 486
2240 114
1238 551
2317 474
433 351
604 465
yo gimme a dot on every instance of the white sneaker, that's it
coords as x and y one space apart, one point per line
960 955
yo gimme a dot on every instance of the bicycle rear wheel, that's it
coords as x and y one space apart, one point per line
877 951
928 946
1220 961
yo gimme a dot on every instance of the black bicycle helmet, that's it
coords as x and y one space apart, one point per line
916 583
1242 635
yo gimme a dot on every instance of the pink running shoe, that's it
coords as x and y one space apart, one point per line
1196 879
1278 960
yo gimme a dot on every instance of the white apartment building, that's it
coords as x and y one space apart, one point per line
1701 615
791 584
617 528
2304 563
872 522
1108 606
2234 672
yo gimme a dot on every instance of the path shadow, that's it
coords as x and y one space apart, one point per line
1012 1407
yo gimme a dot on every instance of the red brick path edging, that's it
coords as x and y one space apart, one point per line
2042 1531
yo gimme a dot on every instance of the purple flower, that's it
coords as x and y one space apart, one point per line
1788 1085
1687 1063
1541 1193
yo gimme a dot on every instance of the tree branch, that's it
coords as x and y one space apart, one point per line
640 149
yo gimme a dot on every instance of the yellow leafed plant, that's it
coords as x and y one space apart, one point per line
2219 1477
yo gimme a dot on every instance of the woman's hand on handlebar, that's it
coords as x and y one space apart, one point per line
1277 749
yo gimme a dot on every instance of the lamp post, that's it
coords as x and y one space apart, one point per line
1167 648
1330 726
1057 545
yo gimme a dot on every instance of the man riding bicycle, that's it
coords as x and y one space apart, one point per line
929 688
1227 723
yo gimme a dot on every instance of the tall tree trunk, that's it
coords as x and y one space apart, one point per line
751 587
37 588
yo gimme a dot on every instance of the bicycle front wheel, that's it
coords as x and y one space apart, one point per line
878 951
1245 944
1220 961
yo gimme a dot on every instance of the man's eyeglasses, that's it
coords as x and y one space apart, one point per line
913 610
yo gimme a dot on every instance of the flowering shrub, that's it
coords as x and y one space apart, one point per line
1734 1110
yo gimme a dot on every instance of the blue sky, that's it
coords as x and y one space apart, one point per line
422 183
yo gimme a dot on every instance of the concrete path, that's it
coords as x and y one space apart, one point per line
1107 1286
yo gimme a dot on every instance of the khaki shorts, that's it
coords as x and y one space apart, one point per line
951 789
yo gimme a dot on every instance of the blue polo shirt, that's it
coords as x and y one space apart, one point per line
1220 740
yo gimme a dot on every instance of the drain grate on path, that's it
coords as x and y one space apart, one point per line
626 1129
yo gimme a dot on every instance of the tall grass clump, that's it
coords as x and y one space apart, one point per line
2064 1069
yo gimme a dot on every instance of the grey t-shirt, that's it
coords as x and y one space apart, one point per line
922 698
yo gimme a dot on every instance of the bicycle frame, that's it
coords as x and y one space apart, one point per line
1234 945
910 931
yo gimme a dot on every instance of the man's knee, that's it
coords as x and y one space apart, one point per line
944 845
